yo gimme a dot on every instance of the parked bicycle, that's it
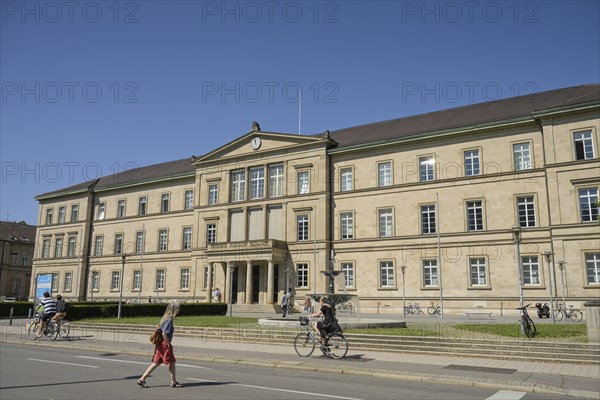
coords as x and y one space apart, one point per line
572 314
50 331
347 307
434 309
527 326
334 346
414 309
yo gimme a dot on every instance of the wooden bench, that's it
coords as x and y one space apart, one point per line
478 313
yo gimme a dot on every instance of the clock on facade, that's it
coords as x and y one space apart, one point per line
255 143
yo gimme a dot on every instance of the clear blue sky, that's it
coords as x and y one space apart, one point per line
93 87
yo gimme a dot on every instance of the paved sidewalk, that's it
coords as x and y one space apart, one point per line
559 378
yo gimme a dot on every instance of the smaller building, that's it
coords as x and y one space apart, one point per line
16 253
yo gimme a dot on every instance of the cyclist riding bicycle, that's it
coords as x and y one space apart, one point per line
327 313
61 308
48 308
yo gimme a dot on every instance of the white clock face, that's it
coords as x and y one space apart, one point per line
255 143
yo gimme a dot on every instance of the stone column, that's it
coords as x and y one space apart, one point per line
209 282
249 282
592 316
270 283
228 283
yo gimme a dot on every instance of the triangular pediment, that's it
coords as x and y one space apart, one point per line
257 143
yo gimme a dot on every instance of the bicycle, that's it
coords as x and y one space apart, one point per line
63 327
50 332
346 307
527 326
571 314
434 309
414 309
334 345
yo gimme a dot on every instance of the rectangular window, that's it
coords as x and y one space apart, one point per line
211 233
46 248
14 257
160 279
137 280
68 281
346 226
74 213
584 145
426 169
430 273
428 219
384 173
162 240
257 183
531 270
521 156
26 261
478 271
98 242
386 223
187 238
302 275
61 215
164 202
474 215
95 281
592 268
49 216
54 282
588 204
276 180
15 286
115 280
346 179
303 182
348 274
139 242
121 209
71 247
472 163
213 194
142 205
526 210
302 223
189 200
184 280
58 247
101 211
238 185
118 243
386 274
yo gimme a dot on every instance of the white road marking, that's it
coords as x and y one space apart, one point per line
279 390
138 362
506 395
64 363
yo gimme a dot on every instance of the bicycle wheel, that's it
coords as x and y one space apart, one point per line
529 327
65 328
51 332
337 345
304 344
576 316
33 330
558 315
431 310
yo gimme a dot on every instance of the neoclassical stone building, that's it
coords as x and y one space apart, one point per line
404 207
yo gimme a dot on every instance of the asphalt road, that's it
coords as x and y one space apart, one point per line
44 373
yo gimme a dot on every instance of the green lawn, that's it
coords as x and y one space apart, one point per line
569 332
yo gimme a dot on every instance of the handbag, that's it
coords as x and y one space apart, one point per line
156 336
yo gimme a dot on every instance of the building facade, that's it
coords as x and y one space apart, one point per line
476 206
16 255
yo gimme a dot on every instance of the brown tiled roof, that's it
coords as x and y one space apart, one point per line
18 233
467 116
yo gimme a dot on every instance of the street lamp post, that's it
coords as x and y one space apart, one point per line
121 285
516 231
562 265
403 268
548 255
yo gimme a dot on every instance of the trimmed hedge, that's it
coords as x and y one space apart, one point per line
80 310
